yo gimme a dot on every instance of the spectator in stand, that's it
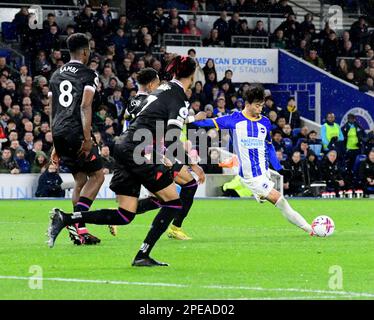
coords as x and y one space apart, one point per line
302 50
277 140
7 163
330 51
302 135
331 133
104 14
342 70
222 26
368 86
123 23
332 173
49 184
85 20
22 163
50 39
158 21
49 22
121 42
359 32
107 75
366 173
42 65
278 41
108 161
40 162
175 20
227 79
353 138
146 45
191 24
291 114
312 169
307 28
294 179
234 24
347 50
259 30
244 29
273 119
220 109
291 31
209 67
303 147
198 93
359 71
213 40
314 59
210 83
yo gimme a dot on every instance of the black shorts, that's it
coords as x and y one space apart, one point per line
67 148
128 176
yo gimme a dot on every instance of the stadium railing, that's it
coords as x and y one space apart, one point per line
249 42
173 39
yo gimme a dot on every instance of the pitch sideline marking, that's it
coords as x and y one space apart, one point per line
220 287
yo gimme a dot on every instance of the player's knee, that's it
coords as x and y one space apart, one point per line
126 215
173 204
191 186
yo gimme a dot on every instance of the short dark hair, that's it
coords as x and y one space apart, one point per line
146 76
255 93
77 41
181 67
191 50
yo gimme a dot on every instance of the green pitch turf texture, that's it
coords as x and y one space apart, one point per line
240 250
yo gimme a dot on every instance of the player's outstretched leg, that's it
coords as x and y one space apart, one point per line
290 214
59 220
187 195
170 207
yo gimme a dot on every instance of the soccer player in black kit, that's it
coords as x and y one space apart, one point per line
72 89
148 79
166 107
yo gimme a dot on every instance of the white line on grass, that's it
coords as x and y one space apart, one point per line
343 294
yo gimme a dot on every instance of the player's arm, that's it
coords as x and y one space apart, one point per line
197 117
54 156
86 116
271 153
218 123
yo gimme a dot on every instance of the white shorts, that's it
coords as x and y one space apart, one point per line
260 186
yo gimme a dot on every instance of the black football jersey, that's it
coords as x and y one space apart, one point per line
134 105
167 104
67 85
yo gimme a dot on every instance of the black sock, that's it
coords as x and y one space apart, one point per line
83 204
103 217
159 225
187 194
148 204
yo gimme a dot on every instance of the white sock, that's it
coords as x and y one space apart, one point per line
291 215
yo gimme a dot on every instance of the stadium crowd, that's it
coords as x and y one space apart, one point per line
26 139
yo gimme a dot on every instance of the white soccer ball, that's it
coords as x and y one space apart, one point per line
323 226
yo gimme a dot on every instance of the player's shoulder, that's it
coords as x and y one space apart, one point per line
265 120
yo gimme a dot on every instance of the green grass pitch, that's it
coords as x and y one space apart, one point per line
240 250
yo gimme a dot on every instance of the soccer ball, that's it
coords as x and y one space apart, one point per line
323 226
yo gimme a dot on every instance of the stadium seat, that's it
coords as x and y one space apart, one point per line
359 159
9 32
316 148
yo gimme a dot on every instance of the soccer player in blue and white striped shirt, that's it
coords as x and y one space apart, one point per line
252 143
